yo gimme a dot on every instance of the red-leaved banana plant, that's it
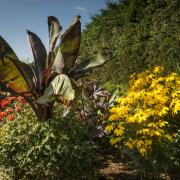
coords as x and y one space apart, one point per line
52 74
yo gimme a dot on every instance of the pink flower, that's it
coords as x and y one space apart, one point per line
10 98
17 108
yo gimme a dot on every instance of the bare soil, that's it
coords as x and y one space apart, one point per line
112 167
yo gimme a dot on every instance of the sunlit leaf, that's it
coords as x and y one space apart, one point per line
60 86
28 73
10 72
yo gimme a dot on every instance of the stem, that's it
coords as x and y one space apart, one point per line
83 104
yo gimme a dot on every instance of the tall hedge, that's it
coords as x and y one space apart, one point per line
135 34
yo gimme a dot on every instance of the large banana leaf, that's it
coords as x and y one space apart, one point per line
10 72
56 66
87 65
58 63
54 31
29 75
40 54
70 43
60 86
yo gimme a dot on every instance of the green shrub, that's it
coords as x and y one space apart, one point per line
56 149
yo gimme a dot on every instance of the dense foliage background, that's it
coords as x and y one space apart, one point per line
135 34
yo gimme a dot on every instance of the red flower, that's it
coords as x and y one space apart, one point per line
17 108
10 98
11 117
4 103
2 114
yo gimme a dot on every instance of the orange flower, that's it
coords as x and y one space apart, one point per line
11 117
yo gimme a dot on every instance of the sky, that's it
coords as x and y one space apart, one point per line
17 16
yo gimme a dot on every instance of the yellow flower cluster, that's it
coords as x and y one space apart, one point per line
140 118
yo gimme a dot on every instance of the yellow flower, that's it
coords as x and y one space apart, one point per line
131 119
176 107
113 117
164 111
157 133
158 69
115 110
142 118
129 144
143 113
170 78
139 143
154 125
144 131
119 131
121 100
175 94
148 143
109 128
114 141
143 151
162 123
